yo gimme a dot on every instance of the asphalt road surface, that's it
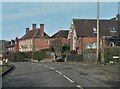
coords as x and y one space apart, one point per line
28 74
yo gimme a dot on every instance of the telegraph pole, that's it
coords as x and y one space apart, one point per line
118 8
98 40
118 14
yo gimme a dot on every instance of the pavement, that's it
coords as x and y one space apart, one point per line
80 76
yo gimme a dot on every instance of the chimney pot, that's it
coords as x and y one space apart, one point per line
27 30
33 26
41 30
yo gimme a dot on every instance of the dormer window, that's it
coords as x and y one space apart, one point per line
94 30
112 29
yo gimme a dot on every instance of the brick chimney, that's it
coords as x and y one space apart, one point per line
33 26
27 30
16 44
41 30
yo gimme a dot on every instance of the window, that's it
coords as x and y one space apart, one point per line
91 46
31 41
112 44
74 40
94 30
112 29
48 42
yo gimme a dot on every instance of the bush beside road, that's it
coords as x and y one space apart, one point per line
6 67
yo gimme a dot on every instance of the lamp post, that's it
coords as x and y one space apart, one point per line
98 41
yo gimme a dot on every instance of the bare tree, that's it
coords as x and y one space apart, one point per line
56 43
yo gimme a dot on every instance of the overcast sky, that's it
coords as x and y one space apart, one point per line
16 16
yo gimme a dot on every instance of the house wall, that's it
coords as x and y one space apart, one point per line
42 44
11 49
63 40
82 42
25 45
71 40
39 44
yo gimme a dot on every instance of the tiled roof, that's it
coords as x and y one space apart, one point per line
61 34
34 33
84 27
117 17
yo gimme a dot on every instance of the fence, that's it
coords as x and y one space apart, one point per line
74 57
91 57
107 54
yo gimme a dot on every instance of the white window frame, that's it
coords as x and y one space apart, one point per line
111 29
74 40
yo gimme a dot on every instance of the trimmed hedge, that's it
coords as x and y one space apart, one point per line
108 53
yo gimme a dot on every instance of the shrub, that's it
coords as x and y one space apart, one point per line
20 56
65 49
109 52
39 55
12 57
52 49
16 56
28 54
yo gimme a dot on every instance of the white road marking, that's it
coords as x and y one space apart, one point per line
58 72
79 86
63 76
51 68
68 79
45 65
40 64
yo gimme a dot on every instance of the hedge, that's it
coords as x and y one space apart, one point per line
39 55
108 53
16 56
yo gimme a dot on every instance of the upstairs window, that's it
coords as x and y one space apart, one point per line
112 29
94 30
47 42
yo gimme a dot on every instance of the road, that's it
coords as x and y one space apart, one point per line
28 74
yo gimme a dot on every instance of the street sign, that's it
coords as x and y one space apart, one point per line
115 56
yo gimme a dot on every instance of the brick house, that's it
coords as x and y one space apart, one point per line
58 40
82 33
34 39
13 45
62 34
